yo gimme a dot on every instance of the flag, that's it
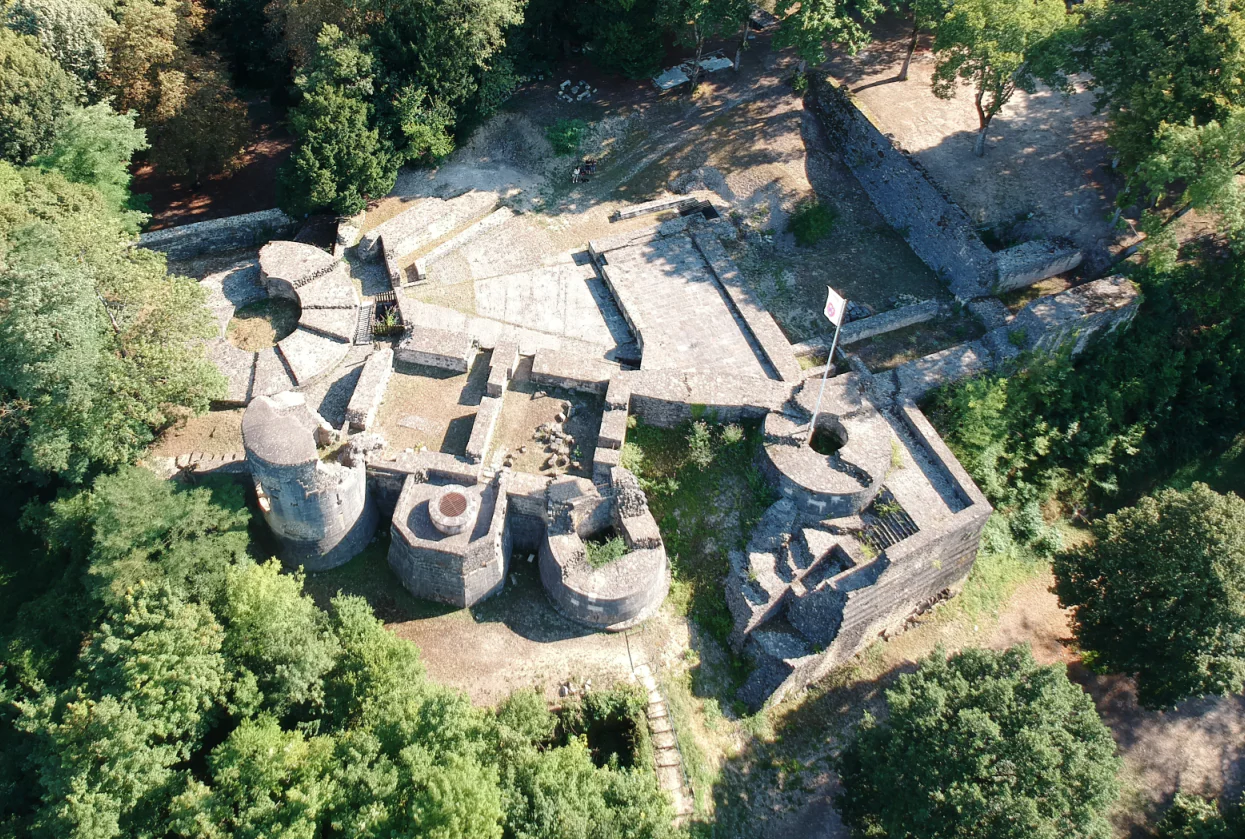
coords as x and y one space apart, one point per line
835 307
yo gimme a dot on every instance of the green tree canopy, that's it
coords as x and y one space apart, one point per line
1190 817
1157 62
35 95
982 744
341 159
1160 594
70 32
808 25
94 146
96 340
998 47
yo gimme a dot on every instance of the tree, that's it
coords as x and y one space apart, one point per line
195 122
1190 817
998 47
96 339
981 744
35 95
108 748
808 24
925 15
620 35
1156 62
207 130
94 146
70 32
1160 594
277 636
340 159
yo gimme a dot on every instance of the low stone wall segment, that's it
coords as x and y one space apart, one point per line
187 241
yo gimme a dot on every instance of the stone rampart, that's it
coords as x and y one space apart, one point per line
187 241
937 230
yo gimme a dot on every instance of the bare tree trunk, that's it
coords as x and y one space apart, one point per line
907 59
743 41
700 48
979 148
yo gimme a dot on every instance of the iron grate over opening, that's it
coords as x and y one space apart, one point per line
453 504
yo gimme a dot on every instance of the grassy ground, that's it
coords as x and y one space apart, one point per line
259 325
706 499
369 577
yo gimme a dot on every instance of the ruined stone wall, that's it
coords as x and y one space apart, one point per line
666 398
937 230
187 241
321 513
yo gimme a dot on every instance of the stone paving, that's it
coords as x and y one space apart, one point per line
690 324
563 299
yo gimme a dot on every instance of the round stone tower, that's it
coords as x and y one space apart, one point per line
319 510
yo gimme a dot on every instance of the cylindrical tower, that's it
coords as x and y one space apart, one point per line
319 510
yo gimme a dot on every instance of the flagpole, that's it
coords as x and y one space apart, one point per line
812 426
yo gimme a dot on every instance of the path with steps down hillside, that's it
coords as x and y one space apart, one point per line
667 758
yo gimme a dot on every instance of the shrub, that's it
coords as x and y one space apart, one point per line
983 744
810 222
732 434
600 554
700 445
565 135
1160 594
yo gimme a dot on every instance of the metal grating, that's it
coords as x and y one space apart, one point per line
453 504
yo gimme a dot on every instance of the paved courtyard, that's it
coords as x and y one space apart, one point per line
691 326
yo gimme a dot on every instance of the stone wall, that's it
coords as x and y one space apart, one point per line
1072 317
880 324
1033 262
370 389
319 511
460 569
666 398
936 229
1066 320
187 241
437 348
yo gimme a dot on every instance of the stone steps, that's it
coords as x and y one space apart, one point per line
667 758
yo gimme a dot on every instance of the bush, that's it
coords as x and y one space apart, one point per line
1190 817
983 744
1160 594
700 445
565 135
810 222
600 554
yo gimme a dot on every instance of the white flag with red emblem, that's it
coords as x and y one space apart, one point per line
835 307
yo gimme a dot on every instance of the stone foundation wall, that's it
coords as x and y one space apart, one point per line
880 324
1033 262
666 398
937 230
370 389
187 241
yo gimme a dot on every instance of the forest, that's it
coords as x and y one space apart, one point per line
159 675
